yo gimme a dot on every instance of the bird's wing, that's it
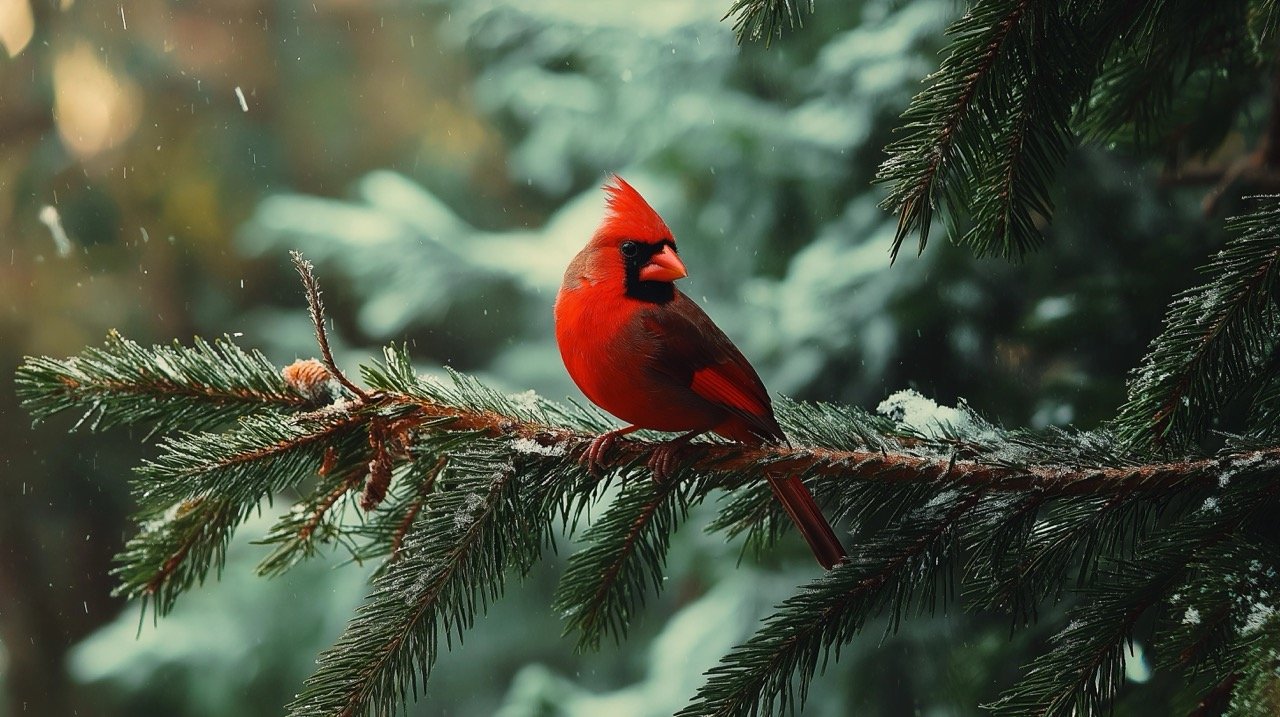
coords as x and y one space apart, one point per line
695 352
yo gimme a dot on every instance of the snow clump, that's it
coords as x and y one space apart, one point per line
925 416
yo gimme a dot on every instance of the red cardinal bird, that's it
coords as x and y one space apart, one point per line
646 353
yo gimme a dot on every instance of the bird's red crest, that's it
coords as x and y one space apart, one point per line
629 215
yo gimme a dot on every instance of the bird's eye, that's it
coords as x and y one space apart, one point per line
629 248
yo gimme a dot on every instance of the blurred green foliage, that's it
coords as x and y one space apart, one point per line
441 162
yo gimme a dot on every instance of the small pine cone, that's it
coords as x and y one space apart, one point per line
310 378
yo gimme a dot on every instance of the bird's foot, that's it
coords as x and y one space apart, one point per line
663 462
593 458
665 458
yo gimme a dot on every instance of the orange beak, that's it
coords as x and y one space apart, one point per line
663 266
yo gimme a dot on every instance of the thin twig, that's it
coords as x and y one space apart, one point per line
307 271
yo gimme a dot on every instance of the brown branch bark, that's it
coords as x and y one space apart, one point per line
867 464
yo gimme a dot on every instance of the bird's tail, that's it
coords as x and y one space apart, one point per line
808 517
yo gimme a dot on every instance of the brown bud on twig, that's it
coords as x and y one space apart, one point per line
310 378
329 461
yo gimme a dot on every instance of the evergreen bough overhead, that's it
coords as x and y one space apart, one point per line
1159 526
1025 81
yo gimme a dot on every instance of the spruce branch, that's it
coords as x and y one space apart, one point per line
893 571
1139 85
1256 689
270 453
1011 193
382 533
1049 547
1216 701
1085 667
1264 416
1065 464
451 567
606 583
735 465
1217 338
298 534
1025 80
262 453
203 386
1264 24
939 141
414 506
453 486
1214 616
203 485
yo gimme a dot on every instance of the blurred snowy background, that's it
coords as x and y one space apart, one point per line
441 162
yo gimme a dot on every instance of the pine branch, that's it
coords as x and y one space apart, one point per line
1216 338
606 583
940 141
892 571
205 386
203 485
451 567
1085 667
756 19
462 484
